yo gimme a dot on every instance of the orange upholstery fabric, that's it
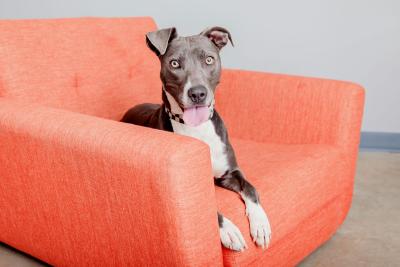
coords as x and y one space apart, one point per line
291 109
79 189
291 187
299 149
83 65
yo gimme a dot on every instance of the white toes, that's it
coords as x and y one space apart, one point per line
260 228
261 234
231 237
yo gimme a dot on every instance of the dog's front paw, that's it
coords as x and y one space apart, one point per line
231 237
260 228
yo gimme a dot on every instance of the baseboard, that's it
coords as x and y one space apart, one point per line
380 141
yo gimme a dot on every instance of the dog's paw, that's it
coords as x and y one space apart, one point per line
260 228
231 237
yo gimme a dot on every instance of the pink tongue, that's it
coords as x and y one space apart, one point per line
196 115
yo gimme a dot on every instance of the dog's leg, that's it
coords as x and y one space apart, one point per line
260 228
230 235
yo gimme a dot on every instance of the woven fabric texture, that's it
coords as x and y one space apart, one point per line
95 66
77 190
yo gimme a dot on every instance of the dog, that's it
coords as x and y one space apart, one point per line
190 73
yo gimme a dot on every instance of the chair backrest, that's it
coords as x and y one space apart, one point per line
97 66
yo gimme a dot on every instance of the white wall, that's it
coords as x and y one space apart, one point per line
344 39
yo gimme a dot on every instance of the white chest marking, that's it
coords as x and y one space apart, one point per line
206 133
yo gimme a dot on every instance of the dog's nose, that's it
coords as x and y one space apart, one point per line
197 94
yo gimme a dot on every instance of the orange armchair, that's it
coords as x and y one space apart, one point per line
79 188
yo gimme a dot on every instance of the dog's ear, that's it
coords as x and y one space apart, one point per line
158 41
218 35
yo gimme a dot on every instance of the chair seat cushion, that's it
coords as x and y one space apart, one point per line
294 182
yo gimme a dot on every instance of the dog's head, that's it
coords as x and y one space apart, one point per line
190 69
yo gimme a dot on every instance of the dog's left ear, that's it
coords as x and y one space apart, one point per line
218 35
158 41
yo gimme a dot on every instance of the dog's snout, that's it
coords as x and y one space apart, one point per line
197 94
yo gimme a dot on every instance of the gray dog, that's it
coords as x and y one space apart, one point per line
190 72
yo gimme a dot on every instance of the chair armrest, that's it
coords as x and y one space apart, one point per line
80 190
290 109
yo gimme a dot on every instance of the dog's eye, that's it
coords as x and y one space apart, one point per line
175 64
209 60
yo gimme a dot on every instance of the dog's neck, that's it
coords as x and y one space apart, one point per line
173 109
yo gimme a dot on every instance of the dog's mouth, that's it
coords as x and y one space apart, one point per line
196 115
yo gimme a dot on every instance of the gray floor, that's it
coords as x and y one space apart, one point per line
370 236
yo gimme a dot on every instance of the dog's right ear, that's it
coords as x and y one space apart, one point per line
158 41
218 35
